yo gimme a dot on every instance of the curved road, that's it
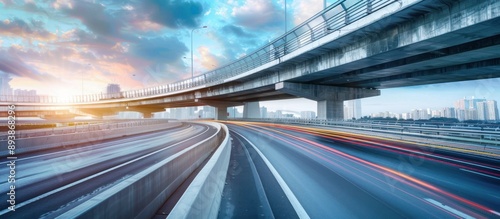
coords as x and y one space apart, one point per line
318 173
51 182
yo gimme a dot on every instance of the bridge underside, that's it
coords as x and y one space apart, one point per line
474 60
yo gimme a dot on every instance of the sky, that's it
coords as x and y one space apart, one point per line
65 47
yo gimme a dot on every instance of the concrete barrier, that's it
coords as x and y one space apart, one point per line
203 196
53 141
141 195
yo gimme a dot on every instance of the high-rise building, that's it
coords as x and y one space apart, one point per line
462 104
161 115
263 112
449 112
352 109
5 88
492 110
436 114
26 93
473 102
471 114
183 113
460 113
208 112
129 115
469 107
113 91
233 112
307 114
482 111
405 116
279 114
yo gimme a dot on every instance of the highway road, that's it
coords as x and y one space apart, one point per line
295 172
50 182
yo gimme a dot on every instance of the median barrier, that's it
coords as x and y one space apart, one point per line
203 196
142 194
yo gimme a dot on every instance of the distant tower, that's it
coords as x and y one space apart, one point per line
5 88
263 112
492 110
352 109
113 89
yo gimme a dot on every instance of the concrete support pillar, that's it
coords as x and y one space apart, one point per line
220 107
331 109
330 98
220 112
251 110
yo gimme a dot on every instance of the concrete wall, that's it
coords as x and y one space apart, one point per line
142 194
203 196
94 135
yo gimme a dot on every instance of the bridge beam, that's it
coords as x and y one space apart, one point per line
330 98
251 110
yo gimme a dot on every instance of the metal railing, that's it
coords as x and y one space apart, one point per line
331 19
484 135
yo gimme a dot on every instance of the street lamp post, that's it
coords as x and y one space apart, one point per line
192 72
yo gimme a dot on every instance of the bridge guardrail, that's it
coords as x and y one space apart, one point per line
141 195
331 19
457 133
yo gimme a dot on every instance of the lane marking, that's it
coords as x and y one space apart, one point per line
301 212
146 135
448 208
347 134
494 212
478 173
320 132
27 202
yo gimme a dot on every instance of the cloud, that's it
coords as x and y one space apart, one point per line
173 13
20 29
94 17
236 31
208 60
11 63
305 9
259 14
159 49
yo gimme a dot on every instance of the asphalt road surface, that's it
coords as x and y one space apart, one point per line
50 182
295 172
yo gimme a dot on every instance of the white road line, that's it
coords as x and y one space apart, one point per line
301 212
448 208
106 143
482 174
93 176
494 212
444 158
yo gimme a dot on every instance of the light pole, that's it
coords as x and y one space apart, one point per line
285 20
192 30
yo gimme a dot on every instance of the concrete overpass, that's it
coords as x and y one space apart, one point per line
350 50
